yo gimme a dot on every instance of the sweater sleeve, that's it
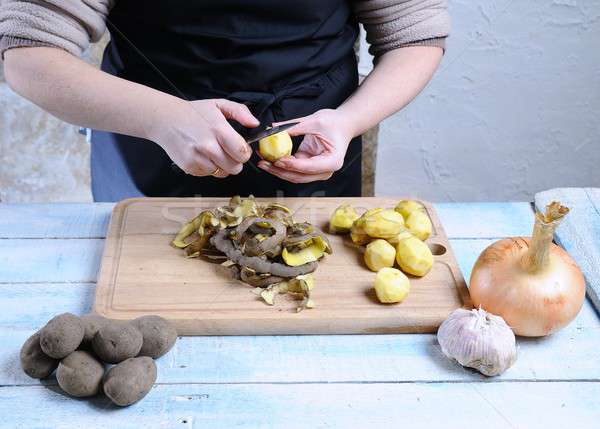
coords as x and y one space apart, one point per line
392 24
70 25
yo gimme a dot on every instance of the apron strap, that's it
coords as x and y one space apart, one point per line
260 102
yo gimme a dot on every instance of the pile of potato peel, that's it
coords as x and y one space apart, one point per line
79 348
260 243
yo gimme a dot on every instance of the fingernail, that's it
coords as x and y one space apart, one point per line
264 165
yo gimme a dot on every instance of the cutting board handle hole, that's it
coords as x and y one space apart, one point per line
437 249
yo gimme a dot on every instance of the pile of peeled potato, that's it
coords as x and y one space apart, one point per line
79 348
262 245
391 236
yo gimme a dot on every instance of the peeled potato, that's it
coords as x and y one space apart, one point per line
359 237
406 207
276 146
391 285
379 254
395 240
419 224
413 256
342 219
379 223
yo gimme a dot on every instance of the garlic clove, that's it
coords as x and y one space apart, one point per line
478 339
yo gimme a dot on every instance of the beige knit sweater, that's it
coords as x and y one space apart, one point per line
73 24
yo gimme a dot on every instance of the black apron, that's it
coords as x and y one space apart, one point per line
282 59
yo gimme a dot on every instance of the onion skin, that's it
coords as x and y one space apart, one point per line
534 302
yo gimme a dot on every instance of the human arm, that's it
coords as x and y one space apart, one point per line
195 135
43 66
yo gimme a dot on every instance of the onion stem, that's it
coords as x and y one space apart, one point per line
537 258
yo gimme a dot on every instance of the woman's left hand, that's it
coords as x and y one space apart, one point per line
321 152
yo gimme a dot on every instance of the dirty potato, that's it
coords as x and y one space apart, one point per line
117 341
62 335
80 374
158 335
34 361
91 324
129 381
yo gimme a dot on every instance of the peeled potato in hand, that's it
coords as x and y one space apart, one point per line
413 256
276 146
419 224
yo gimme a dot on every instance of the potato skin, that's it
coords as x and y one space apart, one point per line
117 341
34 361
91 324
80 374
62 335
159 335
129 381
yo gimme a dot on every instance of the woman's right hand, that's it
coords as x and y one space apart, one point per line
198 138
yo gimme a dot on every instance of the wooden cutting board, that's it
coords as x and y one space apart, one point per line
142 274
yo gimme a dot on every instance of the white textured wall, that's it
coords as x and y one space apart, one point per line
514 109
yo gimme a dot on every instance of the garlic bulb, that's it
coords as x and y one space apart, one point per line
479 340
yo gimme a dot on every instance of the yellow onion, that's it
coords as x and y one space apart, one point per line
531 282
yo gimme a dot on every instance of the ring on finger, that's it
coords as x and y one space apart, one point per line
216 172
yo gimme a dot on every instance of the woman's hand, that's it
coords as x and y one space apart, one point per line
198 138
321 152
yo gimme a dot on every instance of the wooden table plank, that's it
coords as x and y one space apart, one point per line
495 405
65 220
461 220
486 220
50 261
571 354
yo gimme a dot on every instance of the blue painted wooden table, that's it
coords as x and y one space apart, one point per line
49 258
